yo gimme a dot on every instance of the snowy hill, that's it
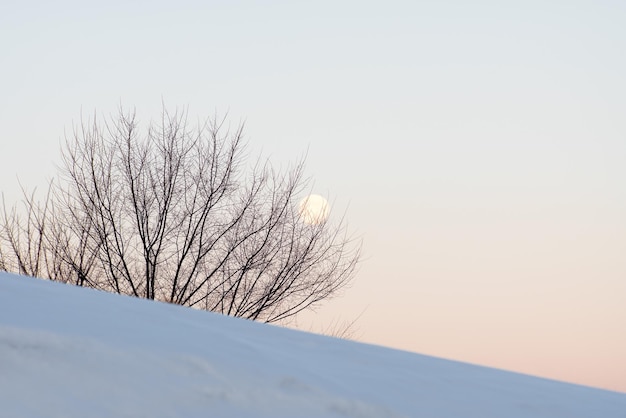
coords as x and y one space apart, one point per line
74 352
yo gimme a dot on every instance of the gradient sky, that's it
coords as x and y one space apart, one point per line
478 147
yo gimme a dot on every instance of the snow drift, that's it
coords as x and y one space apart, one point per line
73 352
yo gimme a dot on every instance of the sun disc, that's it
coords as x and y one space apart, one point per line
314 209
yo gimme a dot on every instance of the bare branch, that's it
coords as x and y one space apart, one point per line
177 214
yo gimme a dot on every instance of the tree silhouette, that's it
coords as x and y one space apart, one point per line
176 213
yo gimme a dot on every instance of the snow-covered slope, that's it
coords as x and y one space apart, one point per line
73 352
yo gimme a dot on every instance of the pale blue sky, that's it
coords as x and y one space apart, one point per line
479 145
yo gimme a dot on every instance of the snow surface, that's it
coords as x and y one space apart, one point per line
73 352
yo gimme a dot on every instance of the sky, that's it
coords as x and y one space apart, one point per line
476 148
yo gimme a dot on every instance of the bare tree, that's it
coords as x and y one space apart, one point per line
22 238
176 214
